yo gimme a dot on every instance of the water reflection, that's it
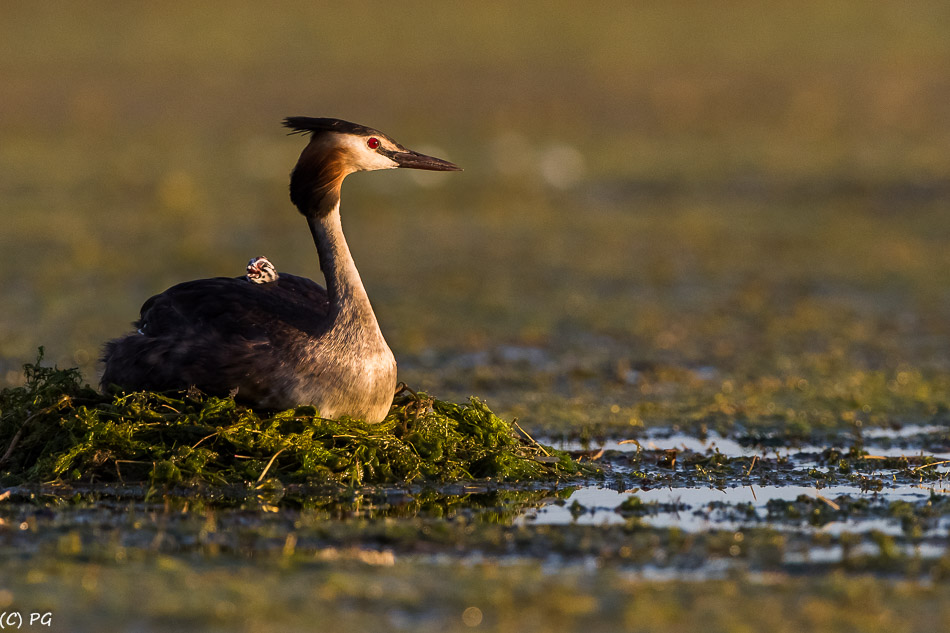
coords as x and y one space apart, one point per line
704 509
908 440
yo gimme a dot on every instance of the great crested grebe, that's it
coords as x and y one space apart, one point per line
278 341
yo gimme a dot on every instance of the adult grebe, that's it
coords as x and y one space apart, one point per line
278 341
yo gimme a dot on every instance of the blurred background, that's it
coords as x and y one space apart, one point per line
659 198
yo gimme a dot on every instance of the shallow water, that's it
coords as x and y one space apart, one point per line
823 519
703 509
888 442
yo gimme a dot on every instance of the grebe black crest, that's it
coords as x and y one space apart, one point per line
280 340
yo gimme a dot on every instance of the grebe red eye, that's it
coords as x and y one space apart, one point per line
373 142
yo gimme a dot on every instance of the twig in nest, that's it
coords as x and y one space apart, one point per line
401 387
128 461
206 437
518 426
270 463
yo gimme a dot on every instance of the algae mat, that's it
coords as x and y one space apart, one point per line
55 427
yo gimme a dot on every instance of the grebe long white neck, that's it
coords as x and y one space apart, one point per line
344 286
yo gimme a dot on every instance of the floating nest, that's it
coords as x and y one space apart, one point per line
57 428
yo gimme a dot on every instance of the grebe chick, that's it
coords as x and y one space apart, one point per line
261 271
283 341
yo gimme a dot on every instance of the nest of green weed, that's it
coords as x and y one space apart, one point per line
56 427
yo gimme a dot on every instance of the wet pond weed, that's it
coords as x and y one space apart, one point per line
55 427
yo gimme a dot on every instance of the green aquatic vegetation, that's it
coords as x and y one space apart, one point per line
916 518
634 506
57 427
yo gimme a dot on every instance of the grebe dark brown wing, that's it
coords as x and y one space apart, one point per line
234 307
218 334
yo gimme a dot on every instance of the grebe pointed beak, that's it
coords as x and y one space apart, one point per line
415 160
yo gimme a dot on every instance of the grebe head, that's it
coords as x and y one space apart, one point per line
338 148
